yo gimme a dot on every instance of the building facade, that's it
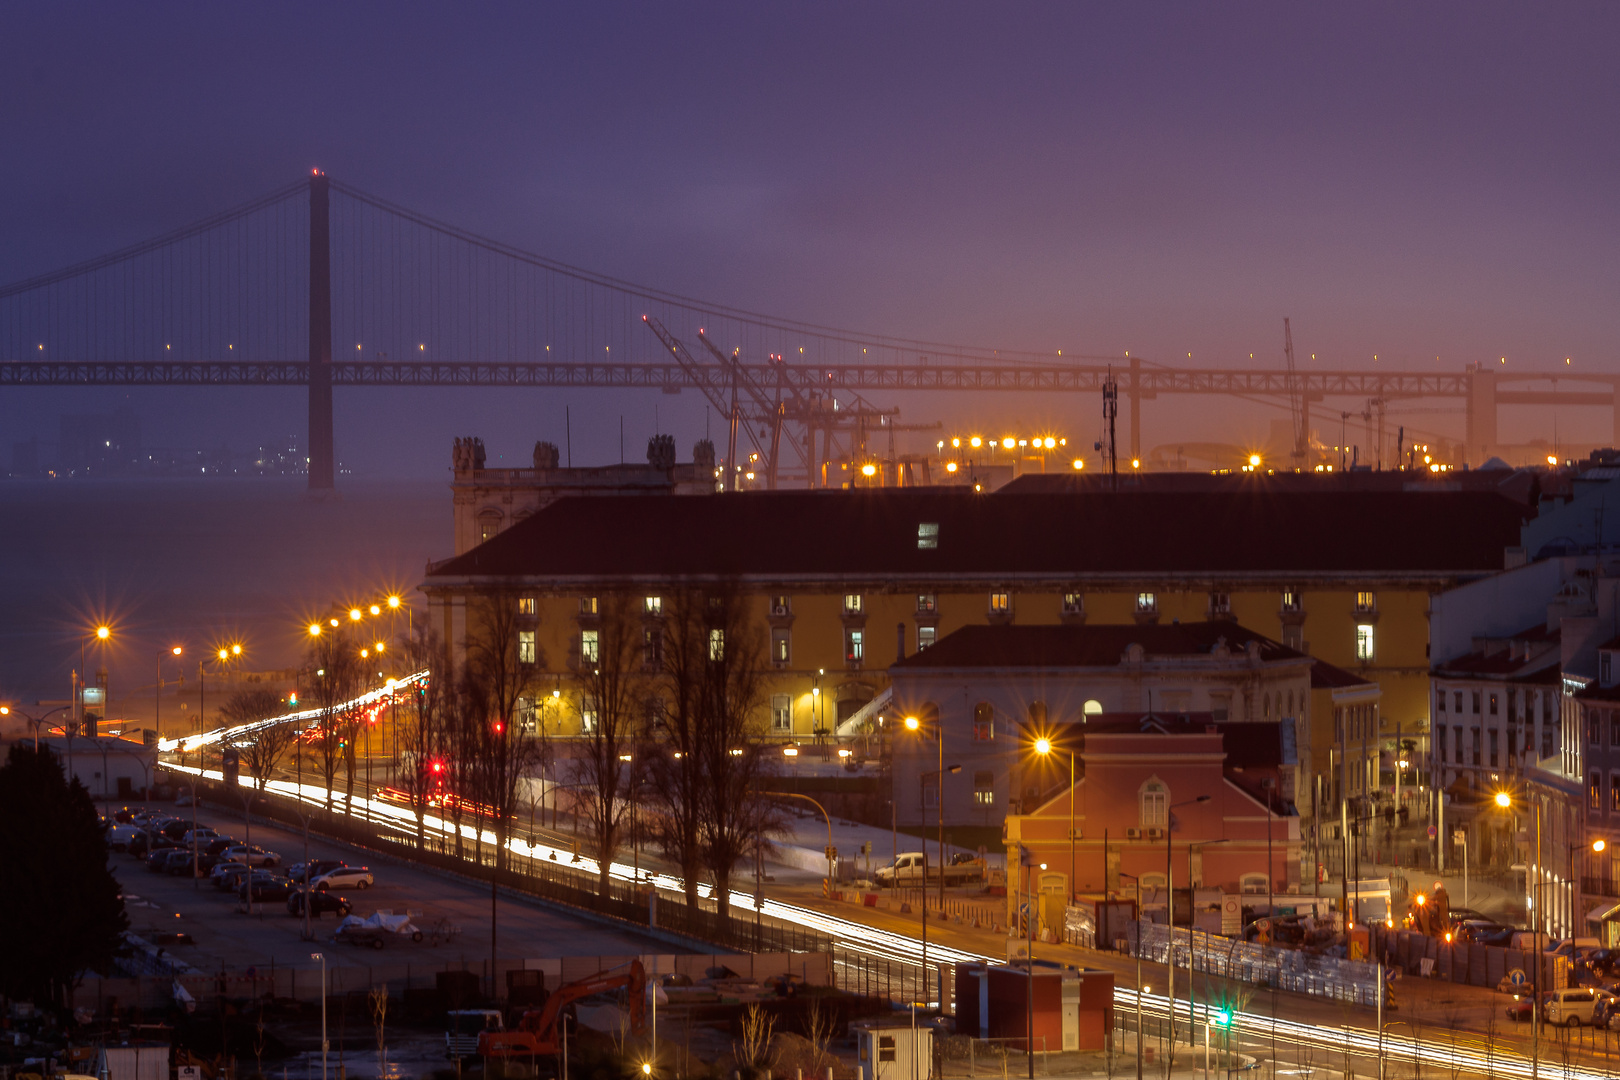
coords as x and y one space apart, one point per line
842 584
984 694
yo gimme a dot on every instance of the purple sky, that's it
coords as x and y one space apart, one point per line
1410 181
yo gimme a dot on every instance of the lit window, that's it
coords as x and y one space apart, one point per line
525 605
1000 603
925 637
984 722
926 604
781 647
1614 792
717 645
1146 603
1364 642
1366 601
1492 700
984 789
653 605
1594 791
589 645
928 535
781 712
525 646
854 646
852 604
1155 800
1291 601
587 716
1092 707
1074 603
587 605
781 605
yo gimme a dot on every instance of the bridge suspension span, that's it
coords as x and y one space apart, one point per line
320 284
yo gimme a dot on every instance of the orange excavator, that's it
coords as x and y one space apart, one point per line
536 1034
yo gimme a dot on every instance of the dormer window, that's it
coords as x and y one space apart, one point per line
927 535
1220 603
1074 603
1292 601
1000 603
781 605
927 604
853 604
653 605
1146 603
1366 603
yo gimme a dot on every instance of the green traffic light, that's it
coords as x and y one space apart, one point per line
1223 1017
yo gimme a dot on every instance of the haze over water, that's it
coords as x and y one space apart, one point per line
194 563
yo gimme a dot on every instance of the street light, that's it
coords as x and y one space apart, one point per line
1170 924
1504 800
1043 746
325 1045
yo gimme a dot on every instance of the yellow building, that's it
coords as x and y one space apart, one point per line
845 582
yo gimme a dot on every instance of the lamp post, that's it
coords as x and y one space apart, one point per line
1505 801
914 723
33 721
157 693
1043 746
325 1045
1170 931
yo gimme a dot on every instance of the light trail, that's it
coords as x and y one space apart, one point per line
188 743
889 945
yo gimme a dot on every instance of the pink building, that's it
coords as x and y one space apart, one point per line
1151 789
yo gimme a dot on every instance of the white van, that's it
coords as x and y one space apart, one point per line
119 836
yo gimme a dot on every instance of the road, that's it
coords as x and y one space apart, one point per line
227 937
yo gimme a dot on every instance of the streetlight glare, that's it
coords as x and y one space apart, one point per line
175 650
103 632
1043 746
375 610
1503 799
393 601
354 613
236 650
314 629
1599 844
912 723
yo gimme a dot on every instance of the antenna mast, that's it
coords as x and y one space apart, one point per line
1111 410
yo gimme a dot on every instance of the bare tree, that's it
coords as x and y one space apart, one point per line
673 763
336 674
500 683
420 729
614 686
732 763
249 705
263 747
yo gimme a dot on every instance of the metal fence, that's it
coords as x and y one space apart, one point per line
1352 981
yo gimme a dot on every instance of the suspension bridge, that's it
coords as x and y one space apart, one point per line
274 293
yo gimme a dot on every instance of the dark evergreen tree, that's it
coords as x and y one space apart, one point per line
61 905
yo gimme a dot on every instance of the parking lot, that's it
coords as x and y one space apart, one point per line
225 935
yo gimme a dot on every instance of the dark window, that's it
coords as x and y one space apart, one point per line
1493 704
1594 791
1495 738
984 722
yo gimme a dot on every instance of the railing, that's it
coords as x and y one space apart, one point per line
1350 981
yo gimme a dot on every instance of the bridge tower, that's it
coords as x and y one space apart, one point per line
321 472
1480 440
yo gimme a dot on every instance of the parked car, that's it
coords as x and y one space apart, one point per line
1483 932
119 837
1467 914
1571 1008
316 868
227 875
175 828
912 867
251 856
145 843
354 877
177 861
202 835
1604 963
1571 947
263 885
319 903
212 855
156 859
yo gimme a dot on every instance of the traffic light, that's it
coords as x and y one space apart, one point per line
1221 1017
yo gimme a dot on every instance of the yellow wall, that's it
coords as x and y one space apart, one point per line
1329 632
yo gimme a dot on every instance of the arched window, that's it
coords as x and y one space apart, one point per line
1155 802
984 722
1092 708
489 523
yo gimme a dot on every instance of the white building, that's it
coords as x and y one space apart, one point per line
983 688
107 766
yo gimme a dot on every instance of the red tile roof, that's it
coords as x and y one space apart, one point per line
872 535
